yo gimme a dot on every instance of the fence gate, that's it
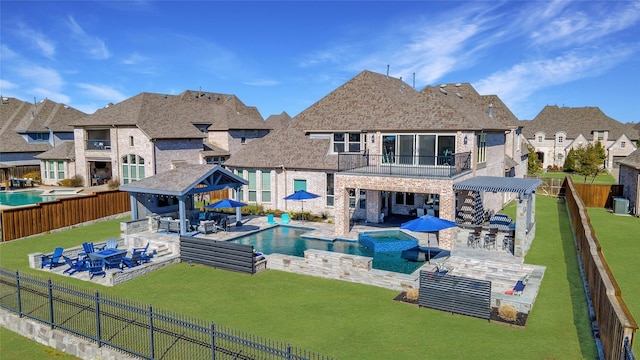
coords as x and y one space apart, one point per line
455 294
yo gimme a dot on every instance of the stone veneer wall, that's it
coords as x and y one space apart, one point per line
630 178
344 267
58 339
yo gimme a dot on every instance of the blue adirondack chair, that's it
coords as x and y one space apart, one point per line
133 261
53 260
75 265
95 268
113 262
144 255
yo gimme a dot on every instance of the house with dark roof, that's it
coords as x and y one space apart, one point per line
629 177
152 133
557 130
29 129
376 147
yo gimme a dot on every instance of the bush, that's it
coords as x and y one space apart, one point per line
35 175
113 184
508 312
412 294
75 181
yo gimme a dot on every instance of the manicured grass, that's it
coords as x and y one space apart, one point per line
14 346
605 178
619 242
353 321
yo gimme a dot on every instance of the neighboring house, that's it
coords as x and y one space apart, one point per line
629 177
151 133
58 163
557 130
377 146
29 129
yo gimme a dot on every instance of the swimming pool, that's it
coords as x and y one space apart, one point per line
19 198
289 241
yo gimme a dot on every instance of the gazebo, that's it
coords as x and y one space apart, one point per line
182 183
525 229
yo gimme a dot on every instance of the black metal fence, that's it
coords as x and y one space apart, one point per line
405 165
134 328
455 294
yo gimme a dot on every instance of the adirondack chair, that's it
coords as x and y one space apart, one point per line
133 261
75 265
53 260
88 248
144 255
113 262
95 268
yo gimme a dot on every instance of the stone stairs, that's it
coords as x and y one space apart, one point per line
503 276
161 250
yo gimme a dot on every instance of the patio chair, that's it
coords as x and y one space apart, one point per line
53 260
270 220
285 218
88 248
75 265
474 237
146 257
95 268
113 262
132 261
490 238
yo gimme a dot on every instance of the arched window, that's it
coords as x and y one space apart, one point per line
132 168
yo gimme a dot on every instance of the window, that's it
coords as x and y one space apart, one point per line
52 170
405 198
299 185
131 143
482 148
243 140
363 199
330 190
240 191
252 185
352 198
623 144
266 186
60 169
560 157
600 135
132 168
560 139
540 138
346 142
214 160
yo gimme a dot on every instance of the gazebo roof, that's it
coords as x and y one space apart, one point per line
187 180
499 184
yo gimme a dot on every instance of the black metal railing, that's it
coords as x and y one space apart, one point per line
99 144
134 328
405 165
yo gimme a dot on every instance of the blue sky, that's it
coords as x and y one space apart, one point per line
285 56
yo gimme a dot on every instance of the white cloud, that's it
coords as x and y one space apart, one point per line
262 82
42 93
6 53
102 92
92 45
43 78
40 40
134 59
6 85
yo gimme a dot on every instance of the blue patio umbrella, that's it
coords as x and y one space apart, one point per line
428 224
301 195
225 203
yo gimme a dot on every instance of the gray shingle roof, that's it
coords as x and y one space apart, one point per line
173 116
576 121
368 102
632 160
66 150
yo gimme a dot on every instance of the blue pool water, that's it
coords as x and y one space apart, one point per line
19 198
387 240
289 241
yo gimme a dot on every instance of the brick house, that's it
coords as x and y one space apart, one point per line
151 133
629 176
377 146
30 129
557 130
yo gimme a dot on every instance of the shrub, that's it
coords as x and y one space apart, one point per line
113 184
74 181
412 294
35 175
507 312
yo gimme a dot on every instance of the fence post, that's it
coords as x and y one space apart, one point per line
289 351
213 341
98 326
51 303
19 296
153 356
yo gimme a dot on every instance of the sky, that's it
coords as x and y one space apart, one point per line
287 55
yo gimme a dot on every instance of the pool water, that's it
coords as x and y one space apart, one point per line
19 198
289 241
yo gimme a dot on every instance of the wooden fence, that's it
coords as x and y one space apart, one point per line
596 195
42 217
17 172
615 321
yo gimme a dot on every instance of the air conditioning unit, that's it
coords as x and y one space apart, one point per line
620 205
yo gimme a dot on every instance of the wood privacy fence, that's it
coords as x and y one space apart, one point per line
42 217
615 322
596 195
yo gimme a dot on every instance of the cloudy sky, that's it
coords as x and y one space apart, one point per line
285 56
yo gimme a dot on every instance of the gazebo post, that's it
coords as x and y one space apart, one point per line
134 206
238 211
182 210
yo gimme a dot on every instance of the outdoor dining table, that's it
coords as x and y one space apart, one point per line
106 254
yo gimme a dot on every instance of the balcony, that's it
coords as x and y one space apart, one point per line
405 165
98 145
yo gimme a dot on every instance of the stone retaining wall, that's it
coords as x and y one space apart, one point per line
344 267
58 339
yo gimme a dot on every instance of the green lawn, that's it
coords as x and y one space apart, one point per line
605 178
353 321
618 237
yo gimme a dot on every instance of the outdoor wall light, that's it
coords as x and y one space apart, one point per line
465 140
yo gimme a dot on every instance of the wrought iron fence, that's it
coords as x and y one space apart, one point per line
134 328
405 165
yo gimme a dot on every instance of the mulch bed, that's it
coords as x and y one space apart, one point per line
520 321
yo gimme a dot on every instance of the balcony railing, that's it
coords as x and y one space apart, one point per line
99 145
405 165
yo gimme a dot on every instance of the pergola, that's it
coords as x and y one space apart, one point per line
182 182
525 214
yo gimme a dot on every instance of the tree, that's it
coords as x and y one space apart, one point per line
590 160
570 161
533 163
